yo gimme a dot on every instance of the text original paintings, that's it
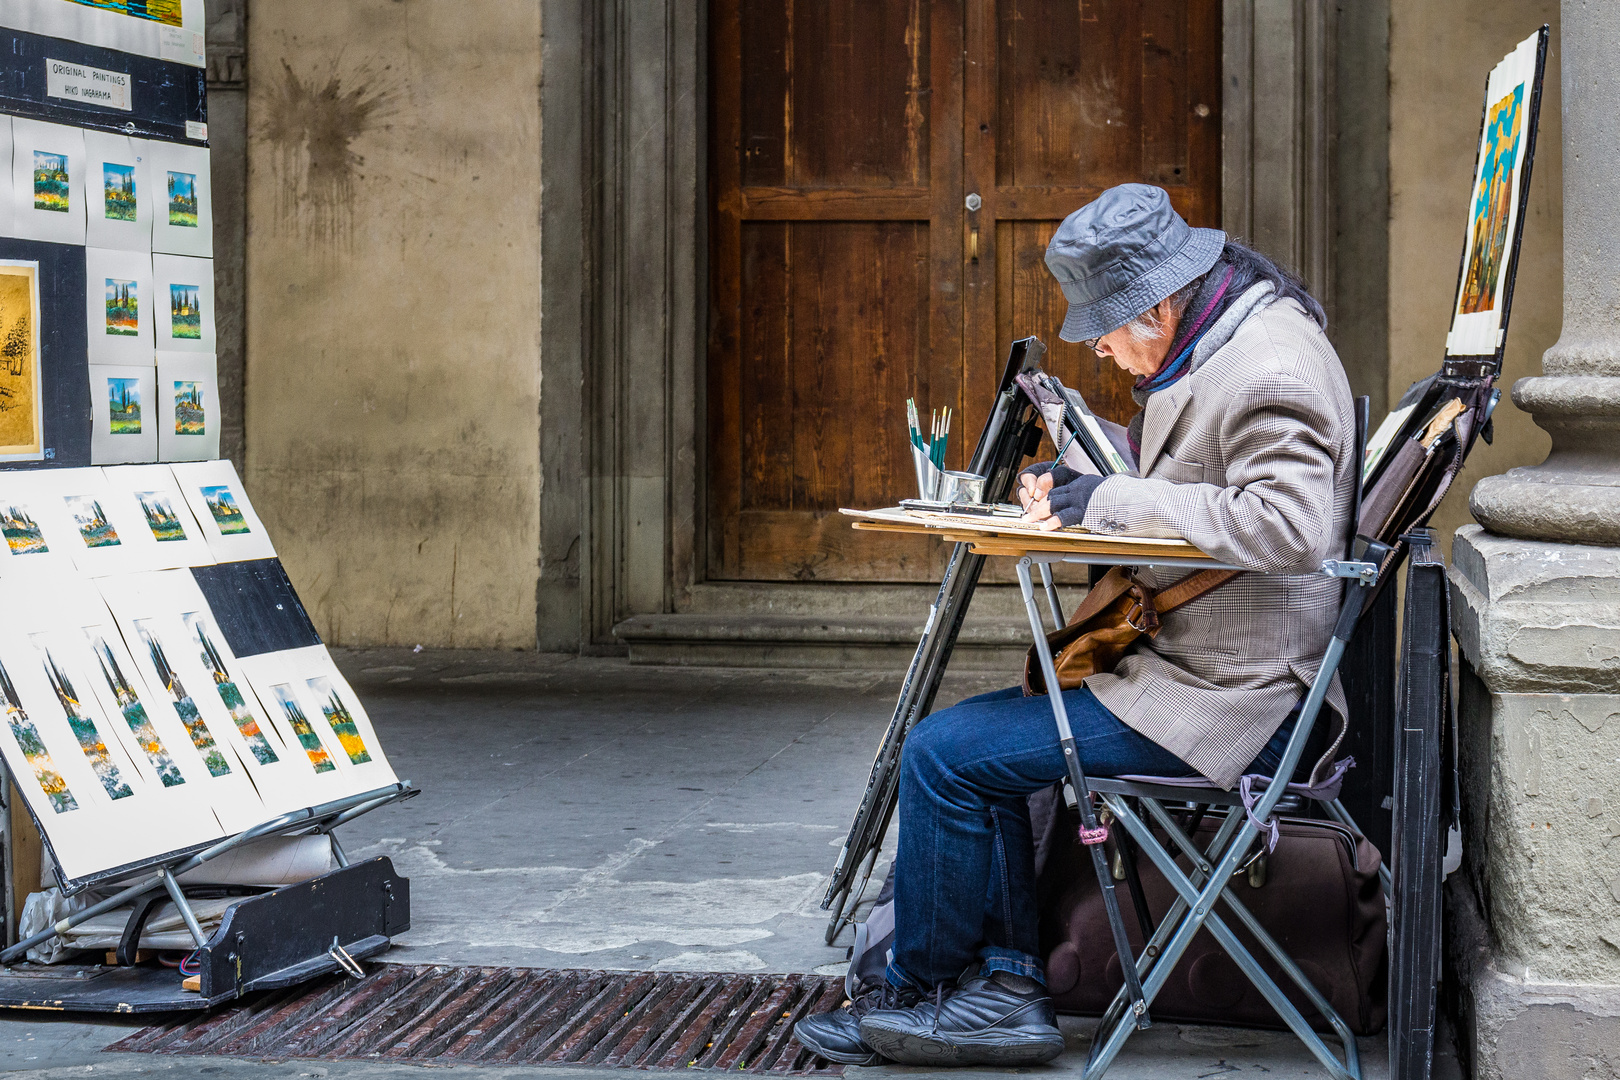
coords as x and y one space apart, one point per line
1493 206
22 416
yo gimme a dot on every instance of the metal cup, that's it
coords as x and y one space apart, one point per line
961 487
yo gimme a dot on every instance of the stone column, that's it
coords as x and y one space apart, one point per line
1534 920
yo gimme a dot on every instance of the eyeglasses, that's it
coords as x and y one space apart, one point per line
1090 343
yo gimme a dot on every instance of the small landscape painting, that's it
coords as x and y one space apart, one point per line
183 199
188 408
160 516
119 185
343 726
222 504
129 703
84 727
123 308
124 406
185 312
94 527
21 531
319 759
184 706
33 748
229 693
163 11
52 184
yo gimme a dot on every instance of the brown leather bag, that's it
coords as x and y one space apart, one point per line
1118 610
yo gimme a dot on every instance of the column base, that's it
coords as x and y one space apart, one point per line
1549 1031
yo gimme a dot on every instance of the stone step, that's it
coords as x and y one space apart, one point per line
867 642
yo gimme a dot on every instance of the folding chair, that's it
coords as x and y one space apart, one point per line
1248 817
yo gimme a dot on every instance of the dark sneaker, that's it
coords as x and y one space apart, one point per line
979 1022
836 1035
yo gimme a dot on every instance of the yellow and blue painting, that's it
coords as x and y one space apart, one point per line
319 759
1493 204
183 199
33 748
22 532
123 308
227 515
229 693
52 185
188 408
84 728
124 406
184 706
163 11
129 704
94 528
118 182
342 721
185 312
160 516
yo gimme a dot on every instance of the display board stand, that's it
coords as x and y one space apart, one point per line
275 938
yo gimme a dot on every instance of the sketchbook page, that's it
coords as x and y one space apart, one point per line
118 193
168 516
39 536
150 809
123 413
1493 204
220 504
183 222
118 306
47 170
1120 438
188 393
185 297
166 612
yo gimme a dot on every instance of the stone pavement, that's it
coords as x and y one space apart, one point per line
581 812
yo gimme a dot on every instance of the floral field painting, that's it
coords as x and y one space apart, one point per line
185 312
184 706
129 703
123 308
183 199
52 184
338 716
21 531
84 728
229 693
33 748
319 759
188 408
94 528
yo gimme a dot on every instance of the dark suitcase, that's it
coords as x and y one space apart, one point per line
1320 899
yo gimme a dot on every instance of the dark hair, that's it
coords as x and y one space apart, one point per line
1253 267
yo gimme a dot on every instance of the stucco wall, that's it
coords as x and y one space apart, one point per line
393 313
1440 52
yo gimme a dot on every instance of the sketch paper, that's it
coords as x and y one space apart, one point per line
102 744
6 198
307 694
1493 206
183 218
22 406
47 180
152 490
166 612
161 29
124 412
220 505
37 533
188 388
119 313
118 193
185 295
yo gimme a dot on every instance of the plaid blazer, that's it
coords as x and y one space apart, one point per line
1251 458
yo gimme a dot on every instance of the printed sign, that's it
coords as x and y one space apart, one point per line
87 85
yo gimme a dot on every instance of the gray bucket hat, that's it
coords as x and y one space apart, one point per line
1122 253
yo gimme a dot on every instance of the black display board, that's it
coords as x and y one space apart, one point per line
164 96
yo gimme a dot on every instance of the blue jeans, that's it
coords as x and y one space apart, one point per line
964 877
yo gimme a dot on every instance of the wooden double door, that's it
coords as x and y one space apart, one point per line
847 272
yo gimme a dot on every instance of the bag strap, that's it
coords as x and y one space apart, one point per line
1190 588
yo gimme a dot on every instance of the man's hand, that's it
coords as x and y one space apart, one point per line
1035 492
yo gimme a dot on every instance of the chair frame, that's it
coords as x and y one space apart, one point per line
1214 867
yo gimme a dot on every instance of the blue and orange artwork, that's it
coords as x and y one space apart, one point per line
227 515
1493 204
163 11
94 528
22 532
123 406
160 516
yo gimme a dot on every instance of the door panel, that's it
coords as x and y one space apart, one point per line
847 274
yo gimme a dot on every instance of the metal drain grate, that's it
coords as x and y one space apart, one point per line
520 1016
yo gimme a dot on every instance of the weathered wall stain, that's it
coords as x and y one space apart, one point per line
313 126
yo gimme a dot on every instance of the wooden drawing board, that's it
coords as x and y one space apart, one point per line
1009 536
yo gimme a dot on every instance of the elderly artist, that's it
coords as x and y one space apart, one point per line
1244 445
